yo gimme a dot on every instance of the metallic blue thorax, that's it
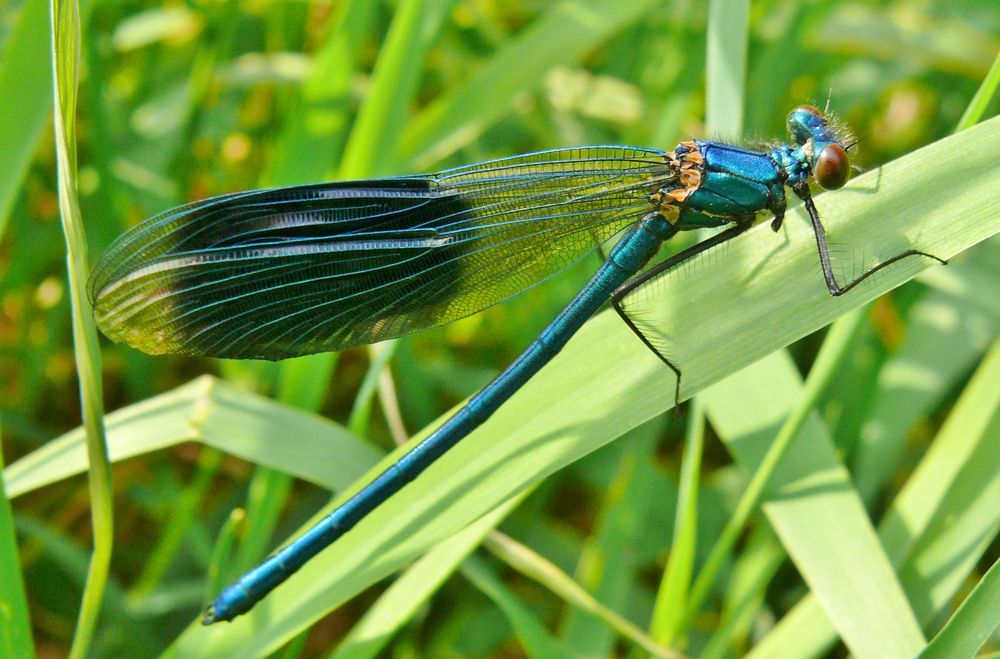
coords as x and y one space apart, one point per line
734 184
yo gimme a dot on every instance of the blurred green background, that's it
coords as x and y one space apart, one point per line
182 100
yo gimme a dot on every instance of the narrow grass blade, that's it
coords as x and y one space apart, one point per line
815 511
953 485
65 77
220 567
267 494
726 67
974 112
379 355
312 139
534 566
672 596
15 626
745 596
394 82
971 626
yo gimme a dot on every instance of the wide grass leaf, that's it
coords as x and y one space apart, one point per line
937 527
218 414
816 512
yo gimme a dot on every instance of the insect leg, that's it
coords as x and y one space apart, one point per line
835 288
622 291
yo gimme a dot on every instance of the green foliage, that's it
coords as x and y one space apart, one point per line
875 527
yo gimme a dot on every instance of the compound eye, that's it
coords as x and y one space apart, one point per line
811 109
833 167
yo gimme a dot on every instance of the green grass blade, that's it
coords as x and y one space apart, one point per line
815 511
65 76
27 99
726 67
540 569
745 597
394 82
952 486
267 494
310 144
971 626
672 596
977 106
218 414
15 626
221 570
379 356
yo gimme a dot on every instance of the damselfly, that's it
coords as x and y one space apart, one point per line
279 273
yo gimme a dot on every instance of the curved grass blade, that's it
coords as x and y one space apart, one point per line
65 22
220 415
971 626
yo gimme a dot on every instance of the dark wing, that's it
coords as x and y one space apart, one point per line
278 273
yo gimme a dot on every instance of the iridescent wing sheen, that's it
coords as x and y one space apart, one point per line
278 273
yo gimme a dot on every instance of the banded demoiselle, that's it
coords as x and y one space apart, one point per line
271 274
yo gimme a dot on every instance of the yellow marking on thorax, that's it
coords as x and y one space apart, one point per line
689 167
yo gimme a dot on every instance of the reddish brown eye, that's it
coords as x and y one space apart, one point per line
832 167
